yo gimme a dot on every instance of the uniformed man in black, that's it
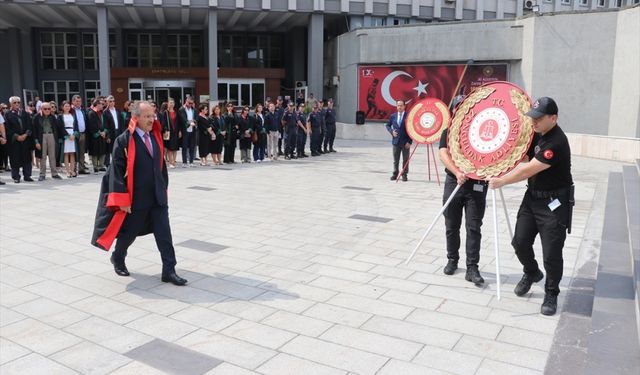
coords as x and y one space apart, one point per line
547 204
472 198
321 113
302 132
330 121
290 124
314 127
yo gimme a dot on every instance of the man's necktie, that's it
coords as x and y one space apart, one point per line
147 143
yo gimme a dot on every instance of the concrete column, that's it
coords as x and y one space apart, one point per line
315 46
15 63
480 10
437 8
213 54
519 10
500 10
459 7
103 51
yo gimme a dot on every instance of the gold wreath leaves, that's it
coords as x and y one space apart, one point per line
521 102
457 155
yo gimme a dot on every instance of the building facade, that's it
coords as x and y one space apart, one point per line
239 50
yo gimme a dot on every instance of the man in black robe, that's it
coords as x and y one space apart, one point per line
20 139
128 206
97 135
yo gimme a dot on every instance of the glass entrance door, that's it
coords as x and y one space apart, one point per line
241 92
161 90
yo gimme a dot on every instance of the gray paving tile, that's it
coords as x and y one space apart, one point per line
357 188
377 219
203 188
202 245
172 358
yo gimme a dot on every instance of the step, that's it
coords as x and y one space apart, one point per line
613 346
631 176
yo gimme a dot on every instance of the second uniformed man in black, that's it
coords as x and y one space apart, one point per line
290 125
314 127
471 197
330 123
302 132
547 204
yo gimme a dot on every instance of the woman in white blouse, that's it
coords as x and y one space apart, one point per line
71 135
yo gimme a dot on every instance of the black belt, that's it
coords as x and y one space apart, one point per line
543 194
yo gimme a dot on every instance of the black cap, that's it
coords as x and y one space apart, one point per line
543 106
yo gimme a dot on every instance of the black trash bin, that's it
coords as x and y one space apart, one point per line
360 117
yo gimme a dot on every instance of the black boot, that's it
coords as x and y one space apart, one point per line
525 283
451 267
473 275
550 305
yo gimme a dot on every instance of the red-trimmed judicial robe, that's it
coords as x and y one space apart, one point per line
116 189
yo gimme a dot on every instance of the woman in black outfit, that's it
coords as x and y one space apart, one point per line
260 144
205 133
169 121
246 129
217 123
231 135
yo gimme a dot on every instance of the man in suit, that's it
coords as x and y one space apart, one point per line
114 122
128 206
81 116
400 140
187 125
20 139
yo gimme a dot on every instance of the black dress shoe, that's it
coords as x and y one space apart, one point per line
550 305
16 180
41 178
83 172
28 179
473 275
451 267
2 183
404 178
57 177
525 283
393 177
121 269
174 279
103 169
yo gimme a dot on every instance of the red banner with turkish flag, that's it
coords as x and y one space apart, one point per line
381 85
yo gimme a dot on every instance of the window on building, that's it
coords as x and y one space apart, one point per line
144 50
91 90
584 2
241 92
90 51
249 50
378 21
565 2
601 3
619 3
400 21
184 50
59 91
59 51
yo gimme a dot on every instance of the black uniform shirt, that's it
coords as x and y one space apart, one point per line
330 116
314 119
443 144
553 149
290 119
302 118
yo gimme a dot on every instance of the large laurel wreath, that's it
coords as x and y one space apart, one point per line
521 102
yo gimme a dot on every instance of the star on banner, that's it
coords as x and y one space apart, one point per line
421 88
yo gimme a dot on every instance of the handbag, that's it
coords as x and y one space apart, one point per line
254 137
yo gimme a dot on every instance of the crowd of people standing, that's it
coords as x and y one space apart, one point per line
64 134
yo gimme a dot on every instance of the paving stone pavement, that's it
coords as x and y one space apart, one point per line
294 267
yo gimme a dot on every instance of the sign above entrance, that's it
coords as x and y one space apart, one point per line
381 85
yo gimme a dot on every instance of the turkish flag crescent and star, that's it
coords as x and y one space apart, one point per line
380 86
